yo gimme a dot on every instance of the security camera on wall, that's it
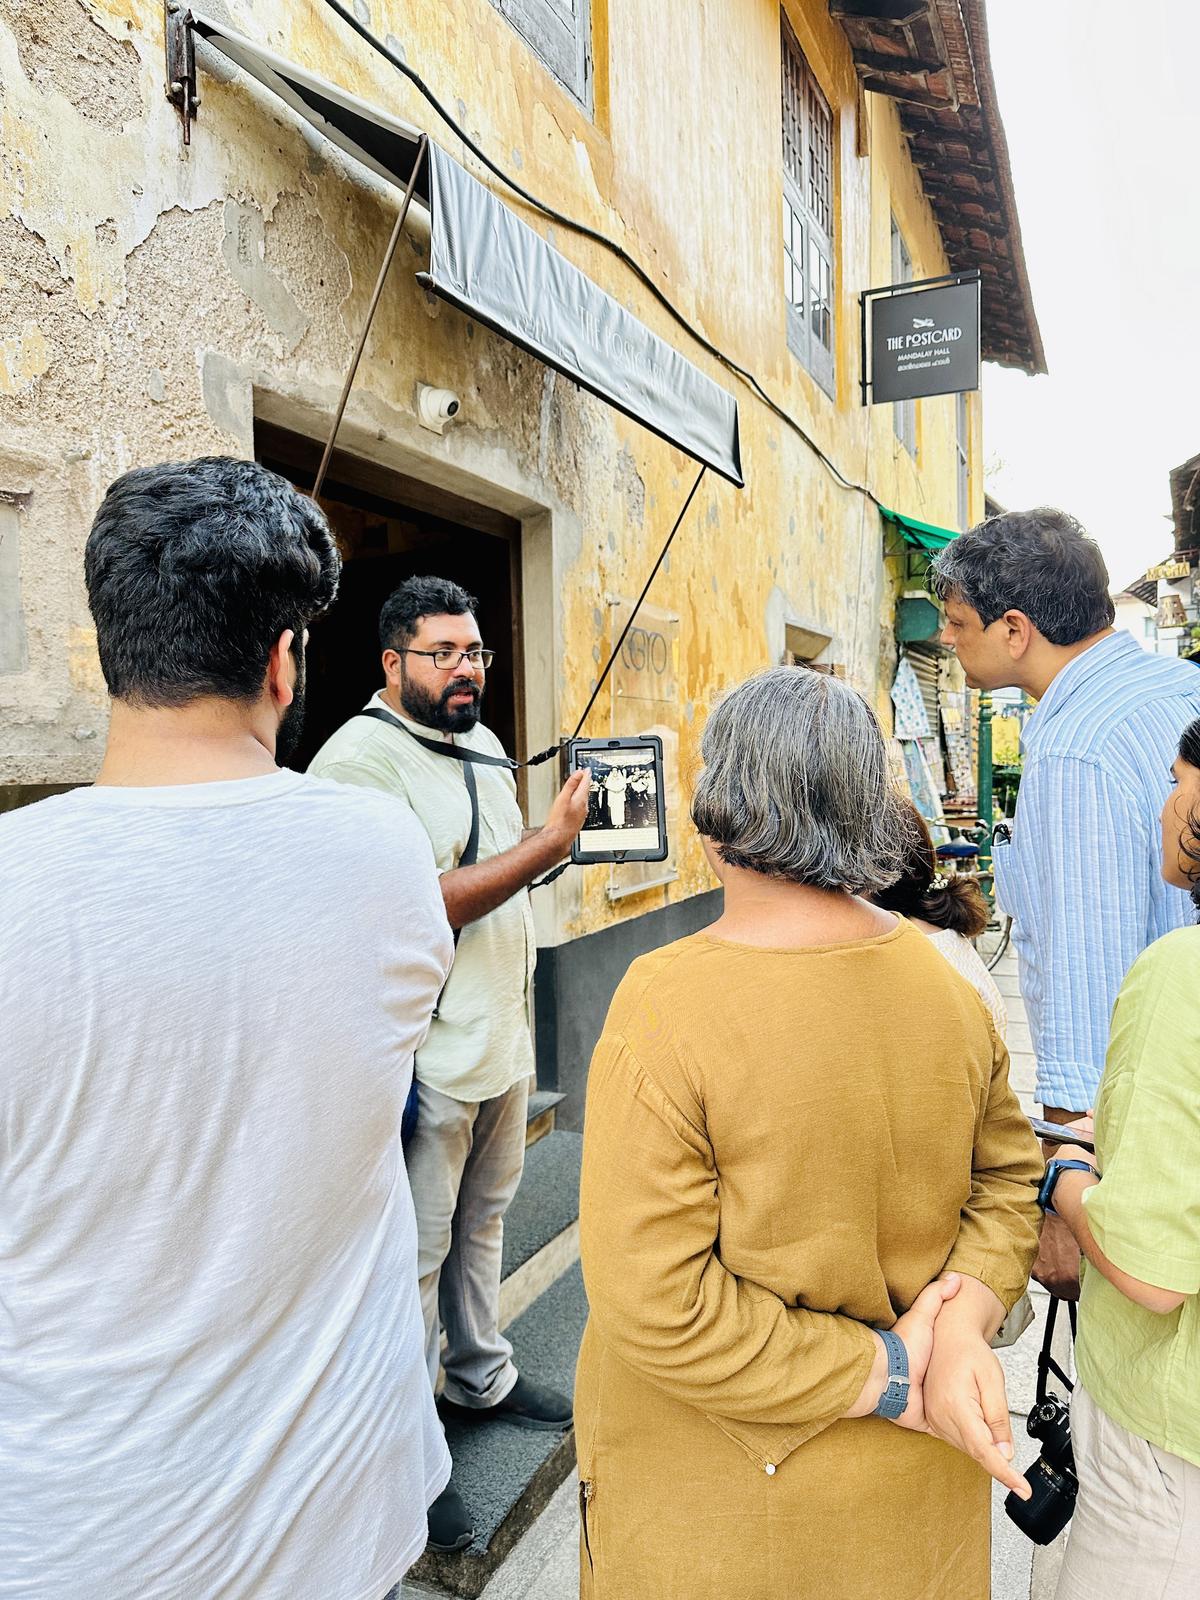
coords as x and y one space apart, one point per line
436 407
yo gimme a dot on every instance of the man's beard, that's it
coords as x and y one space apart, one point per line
435 711
291 724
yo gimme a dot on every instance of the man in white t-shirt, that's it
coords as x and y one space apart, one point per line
214 974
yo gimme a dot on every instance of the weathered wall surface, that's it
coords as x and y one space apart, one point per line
153 301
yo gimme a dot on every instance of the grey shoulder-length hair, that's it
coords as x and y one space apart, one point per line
796 784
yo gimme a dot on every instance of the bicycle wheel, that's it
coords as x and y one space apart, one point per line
992 944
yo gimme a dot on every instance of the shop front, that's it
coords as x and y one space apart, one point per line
582 312
942 726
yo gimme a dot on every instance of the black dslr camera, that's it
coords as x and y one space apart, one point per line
1052 1476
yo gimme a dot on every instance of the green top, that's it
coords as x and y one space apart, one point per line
1140 1367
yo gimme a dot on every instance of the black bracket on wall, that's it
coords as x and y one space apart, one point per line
181 65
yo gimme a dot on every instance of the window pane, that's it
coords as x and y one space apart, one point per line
820 158
794 75
821 290
808 159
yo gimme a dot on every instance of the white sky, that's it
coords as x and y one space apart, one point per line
1103 123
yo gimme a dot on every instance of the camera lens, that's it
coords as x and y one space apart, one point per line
1046 1513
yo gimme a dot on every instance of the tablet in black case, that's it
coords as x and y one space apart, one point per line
627 804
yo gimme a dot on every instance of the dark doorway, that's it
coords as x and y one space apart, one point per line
390 527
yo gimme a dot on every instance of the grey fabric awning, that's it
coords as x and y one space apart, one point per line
381 142
495 267
484 259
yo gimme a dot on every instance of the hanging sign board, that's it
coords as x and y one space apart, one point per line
924 342
1170 571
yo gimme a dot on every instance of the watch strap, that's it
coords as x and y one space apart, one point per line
893 1402
1054 1171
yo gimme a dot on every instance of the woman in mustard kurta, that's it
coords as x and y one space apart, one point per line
797 1121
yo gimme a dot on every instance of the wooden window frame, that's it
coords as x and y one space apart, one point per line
529 18
809 154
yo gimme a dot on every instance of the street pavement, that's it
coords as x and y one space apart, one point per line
1021 1571
545 1564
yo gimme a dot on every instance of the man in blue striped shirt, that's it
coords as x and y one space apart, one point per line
1027 606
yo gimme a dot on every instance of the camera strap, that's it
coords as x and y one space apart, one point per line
1046 1362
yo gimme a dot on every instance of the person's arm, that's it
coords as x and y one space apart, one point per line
1088 889
965 1400
1088 848
1139 1223
471 892
658 1290
966 1403
999 1222
1069 1202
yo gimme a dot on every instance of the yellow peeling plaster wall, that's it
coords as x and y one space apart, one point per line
151 300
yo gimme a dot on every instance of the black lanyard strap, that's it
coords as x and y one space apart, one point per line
471 850
471 853
460 752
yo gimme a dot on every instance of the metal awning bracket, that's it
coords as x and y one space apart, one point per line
181 65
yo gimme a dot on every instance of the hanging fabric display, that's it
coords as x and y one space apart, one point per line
912 719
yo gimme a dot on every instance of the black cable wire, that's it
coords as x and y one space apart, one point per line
616 649
637 605
588 232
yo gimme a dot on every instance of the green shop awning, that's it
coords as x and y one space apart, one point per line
924 536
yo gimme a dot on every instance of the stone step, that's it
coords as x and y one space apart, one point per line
507 1474
541 1230
541 1115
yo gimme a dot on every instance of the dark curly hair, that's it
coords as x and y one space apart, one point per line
417 598
1041 562
953 902
194 569
1189 751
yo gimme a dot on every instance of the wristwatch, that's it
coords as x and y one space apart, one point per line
1053 1172
893 1402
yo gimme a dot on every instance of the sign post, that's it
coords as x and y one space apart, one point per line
923 339
984 799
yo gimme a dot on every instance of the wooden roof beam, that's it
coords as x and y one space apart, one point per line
901 11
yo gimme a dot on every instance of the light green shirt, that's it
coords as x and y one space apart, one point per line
1143 1369
479 1043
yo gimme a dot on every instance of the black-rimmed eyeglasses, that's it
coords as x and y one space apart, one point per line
447 660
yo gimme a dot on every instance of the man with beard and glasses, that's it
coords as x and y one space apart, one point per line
212 1374
468 1149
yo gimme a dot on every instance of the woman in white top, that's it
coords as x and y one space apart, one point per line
950 910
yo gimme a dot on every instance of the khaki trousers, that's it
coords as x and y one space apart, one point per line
1136 1529
464 1164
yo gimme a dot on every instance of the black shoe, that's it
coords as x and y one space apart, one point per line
450 1526
527 1405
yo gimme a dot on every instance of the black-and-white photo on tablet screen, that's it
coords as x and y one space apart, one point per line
626 816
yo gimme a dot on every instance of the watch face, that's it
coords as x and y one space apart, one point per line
1046 1187
1053 1172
